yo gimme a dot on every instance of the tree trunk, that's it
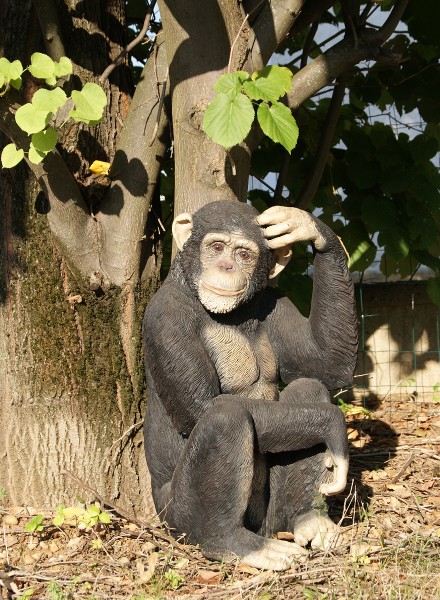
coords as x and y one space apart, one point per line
67 396
71 375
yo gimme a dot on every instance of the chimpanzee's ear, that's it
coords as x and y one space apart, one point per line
280 258
182 227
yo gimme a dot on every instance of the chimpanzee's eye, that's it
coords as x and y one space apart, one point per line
244 254
217 246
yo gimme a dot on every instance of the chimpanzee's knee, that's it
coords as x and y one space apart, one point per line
226 423
306 391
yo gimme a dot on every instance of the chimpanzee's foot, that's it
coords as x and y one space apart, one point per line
317 529
256 551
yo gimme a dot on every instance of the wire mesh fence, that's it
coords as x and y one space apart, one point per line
399 349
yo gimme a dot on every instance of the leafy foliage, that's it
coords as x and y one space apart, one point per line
229 117
35 524
80 516
36 117
380 186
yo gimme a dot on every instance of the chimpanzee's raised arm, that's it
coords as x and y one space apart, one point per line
324 346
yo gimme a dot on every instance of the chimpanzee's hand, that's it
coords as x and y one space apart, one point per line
339 465
283 226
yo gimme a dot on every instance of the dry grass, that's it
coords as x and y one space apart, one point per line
390 546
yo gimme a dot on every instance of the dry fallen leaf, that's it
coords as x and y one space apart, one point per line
420 432
209 577
146 574
285 535
352 434
246 569
400 490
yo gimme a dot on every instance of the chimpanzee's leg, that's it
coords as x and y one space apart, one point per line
296 478
211 487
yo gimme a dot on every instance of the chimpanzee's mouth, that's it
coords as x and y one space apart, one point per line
220 291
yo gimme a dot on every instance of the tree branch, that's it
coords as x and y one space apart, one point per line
118 60
309 190
135 171
341 57
312 11
270 29
47 15
68 216
308 44
197 56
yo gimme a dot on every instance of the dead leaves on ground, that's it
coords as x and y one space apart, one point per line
392 509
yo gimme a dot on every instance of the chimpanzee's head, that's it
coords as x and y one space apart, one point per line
223 254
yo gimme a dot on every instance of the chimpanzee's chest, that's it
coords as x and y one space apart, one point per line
246 364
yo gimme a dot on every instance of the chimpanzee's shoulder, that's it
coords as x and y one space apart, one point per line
278 304
171 301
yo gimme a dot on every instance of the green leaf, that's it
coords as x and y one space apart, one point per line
35 524
231 84
10 70
104 518
93 510
270 83
227 121
395 242
49 100
389 266
16 83
58 520
11 156
51 80
89 104
361 249
2 80
396 180
35 156
278 124
378 213
31 119
365 174
63 67
434 290
42 66
45 141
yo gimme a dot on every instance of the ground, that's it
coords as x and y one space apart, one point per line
390 541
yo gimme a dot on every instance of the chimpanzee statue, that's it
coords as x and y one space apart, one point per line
232 459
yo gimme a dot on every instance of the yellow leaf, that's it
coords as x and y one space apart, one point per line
99 167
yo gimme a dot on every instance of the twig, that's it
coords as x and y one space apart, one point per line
118 60
278 195
126 515
403 469
419 509
349 24
309 190
308 44
47 14
126 433
236 40
160 107
232 163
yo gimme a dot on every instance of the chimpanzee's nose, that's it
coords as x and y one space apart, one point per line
226 265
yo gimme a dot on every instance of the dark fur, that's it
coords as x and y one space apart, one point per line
226 467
